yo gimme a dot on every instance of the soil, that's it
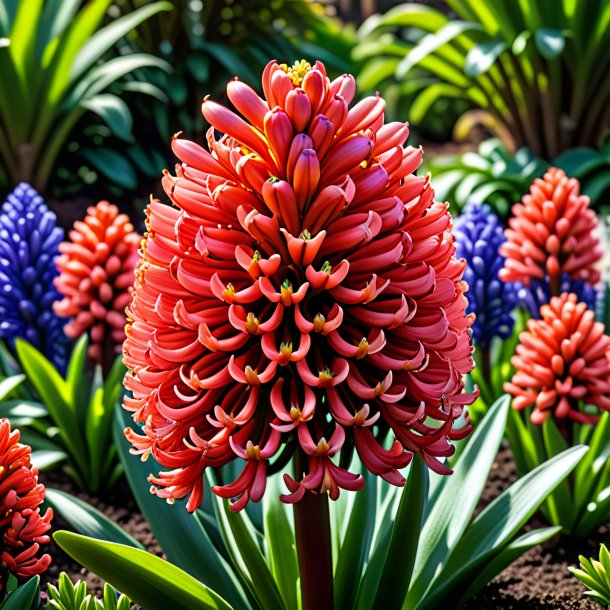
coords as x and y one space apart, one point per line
539 580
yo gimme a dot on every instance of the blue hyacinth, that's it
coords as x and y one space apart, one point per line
478 234
539 293
29 240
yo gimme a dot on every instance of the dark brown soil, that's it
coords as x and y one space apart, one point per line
537 581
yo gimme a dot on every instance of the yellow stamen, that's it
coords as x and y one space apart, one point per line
253 451
363 348
318 323
297 71
251 323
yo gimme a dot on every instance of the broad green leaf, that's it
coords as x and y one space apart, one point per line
44 458
115 113
87 520
180 534
457 498
112 165
9 384
25 597
147 579
48 383
483 56
549 42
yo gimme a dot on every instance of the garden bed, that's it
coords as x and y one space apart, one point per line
539 580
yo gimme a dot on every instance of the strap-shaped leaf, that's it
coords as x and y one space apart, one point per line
87 520
148 580
279 537
495 526
356 544
512 552
25 597
180 534
457 499
9 384
240 539
400 558
108 36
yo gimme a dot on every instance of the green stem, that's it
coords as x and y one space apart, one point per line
314 551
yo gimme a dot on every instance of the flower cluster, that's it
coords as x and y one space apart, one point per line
478 235
22 528
29 240
97 270
304 288
552 237
563 361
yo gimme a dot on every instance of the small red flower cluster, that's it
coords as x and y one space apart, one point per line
563 361
96 274
22 527
303 288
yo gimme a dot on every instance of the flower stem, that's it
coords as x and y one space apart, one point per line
314 551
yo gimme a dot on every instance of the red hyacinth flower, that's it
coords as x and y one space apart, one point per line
96 275
553 233
563 361
303 288
22 528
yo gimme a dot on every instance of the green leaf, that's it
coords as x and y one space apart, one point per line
454 504
43 458
356 543
25 597
108 36
9 384
115 113
402 549
280 540
87 520
496 525
549 42
509 554
483 56
112 165
180 534
148 580
240 540
48 383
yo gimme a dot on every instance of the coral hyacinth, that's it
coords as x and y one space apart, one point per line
303 289
22 528
97 271
552 233
29 240
562 362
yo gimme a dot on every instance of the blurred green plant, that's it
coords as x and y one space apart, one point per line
79 409
22 597
595 574
417 548
493 175
207 43
55 68
533 71
74 596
